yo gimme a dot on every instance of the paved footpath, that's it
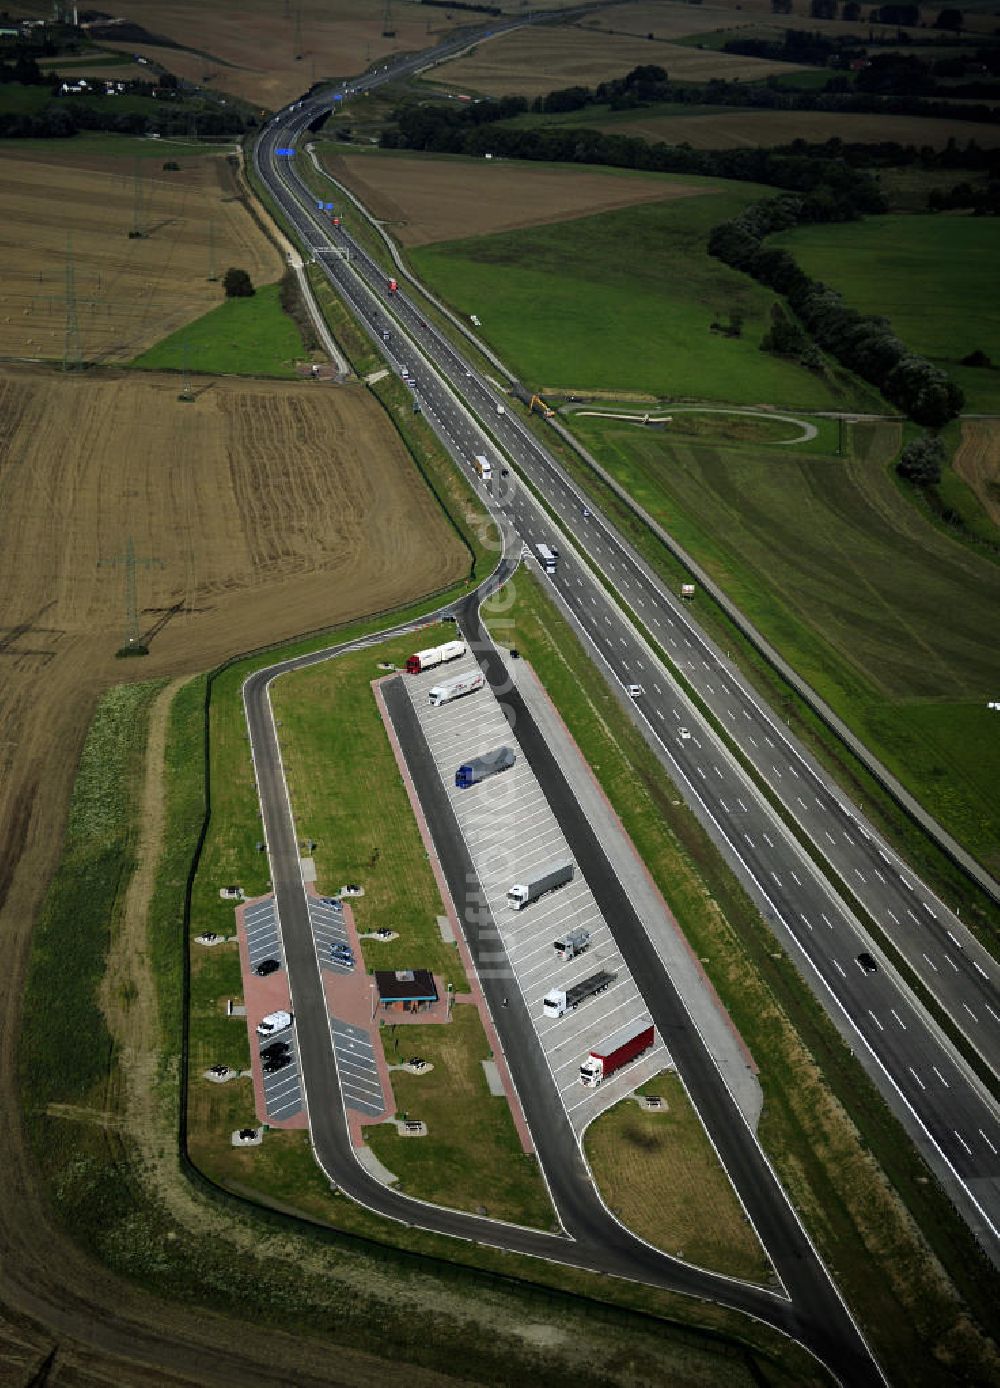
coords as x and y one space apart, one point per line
706 1009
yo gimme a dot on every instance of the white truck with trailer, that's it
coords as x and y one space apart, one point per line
434 655
574 942
561 1001
546 879
456 687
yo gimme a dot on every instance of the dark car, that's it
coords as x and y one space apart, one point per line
267 966
867 962
275 1048
276 1063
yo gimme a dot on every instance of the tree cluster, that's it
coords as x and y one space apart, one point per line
921 460
864 344
64 118
982 202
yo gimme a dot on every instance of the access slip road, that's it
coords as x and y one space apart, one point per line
946 1109
812 1314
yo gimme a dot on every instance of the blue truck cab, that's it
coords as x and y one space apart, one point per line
470 773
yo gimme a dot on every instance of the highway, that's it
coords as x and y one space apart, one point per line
945 1108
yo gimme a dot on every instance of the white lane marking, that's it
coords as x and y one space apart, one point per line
989 1144
837 966
940 1076
931 962
806 921
970 1012
916 1077
769 841
827 919
963 1142
898 1018
875 1020
794 878
893 914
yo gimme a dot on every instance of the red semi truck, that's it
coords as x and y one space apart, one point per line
434 655
615 1051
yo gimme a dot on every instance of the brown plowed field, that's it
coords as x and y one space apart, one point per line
129 292
426 199
977 462
531 62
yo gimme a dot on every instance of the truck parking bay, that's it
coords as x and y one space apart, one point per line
510 833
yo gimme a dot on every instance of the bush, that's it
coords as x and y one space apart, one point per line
920 461
237 284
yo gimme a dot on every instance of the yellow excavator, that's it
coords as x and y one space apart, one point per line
546 410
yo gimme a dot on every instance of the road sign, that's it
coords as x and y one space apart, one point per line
284 150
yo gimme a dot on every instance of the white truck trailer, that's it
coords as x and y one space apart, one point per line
434 655
456 687
545 879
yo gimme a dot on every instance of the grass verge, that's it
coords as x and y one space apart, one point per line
836 1146
659 1174
242 337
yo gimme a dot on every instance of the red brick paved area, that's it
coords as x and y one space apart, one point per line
261 996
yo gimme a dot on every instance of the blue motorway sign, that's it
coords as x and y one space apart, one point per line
284 151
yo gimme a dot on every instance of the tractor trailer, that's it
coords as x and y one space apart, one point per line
574 942
615 1051
456 687
560 1001
434 655
546 879
470 773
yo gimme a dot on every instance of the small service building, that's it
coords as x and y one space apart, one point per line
406 990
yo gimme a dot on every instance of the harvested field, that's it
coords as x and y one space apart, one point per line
427 199
977 462
258 504
525 63
130 291
733 129
251 50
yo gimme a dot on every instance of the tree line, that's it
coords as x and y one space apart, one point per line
65 118
861 342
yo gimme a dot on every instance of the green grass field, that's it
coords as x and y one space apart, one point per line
885 616
242 337
936 278
625 301
115 146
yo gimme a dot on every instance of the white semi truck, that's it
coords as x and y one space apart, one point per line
560 1001
434 655
546 879
574 942
456 687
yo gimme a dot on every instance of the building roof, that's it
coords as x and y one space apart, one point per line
406 985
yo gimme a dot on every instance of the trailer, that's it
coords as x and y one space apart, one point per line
470 773
546 879
560 1001
456 687
616 1051
434 655
574 942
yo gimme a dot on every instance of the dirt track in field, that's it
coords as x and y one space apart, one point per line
130 292
977 462
274 509
427 199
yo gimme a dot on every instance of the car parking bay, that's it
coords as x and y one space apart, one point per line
326 916
357 1068
283 1090
510 831
260 922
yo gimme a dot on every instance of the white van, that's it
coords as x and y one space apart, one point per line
273 1023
